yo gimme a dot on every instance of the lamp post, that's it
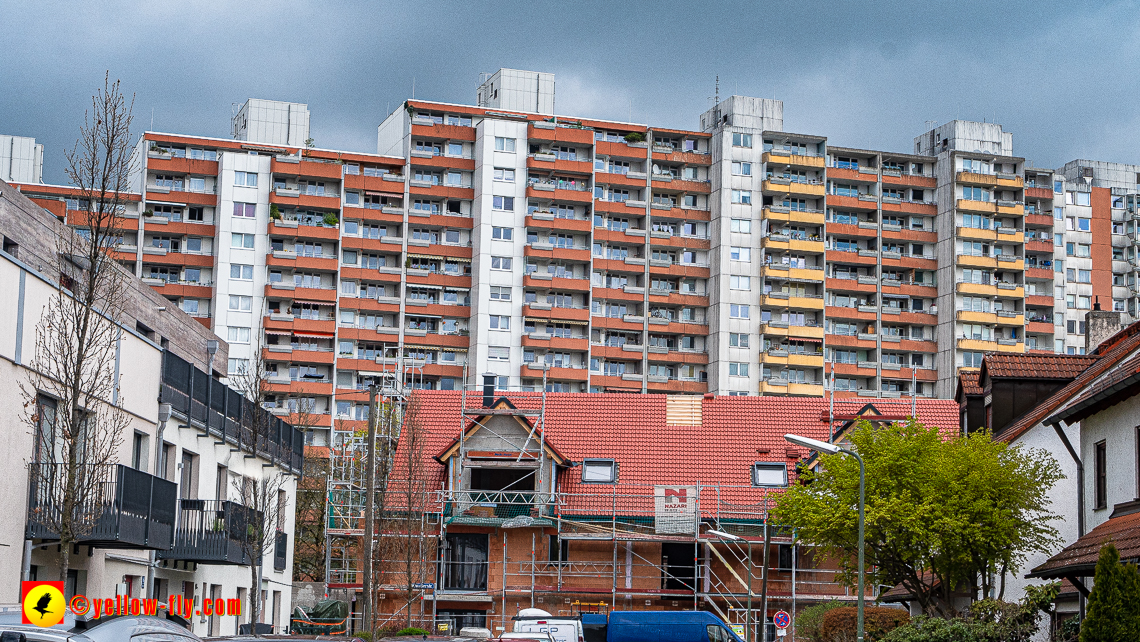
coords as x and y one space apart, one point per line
832 449
748 612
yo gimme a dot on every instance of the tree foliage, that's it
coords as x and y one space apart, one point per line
985 621
942 514
1114 604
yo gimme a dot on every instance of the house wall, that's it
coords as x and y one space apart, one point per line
1117 427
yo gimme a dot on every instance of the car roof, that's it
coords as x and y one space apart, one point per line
44 634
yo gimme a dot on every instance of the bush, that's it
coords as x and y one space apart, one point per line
810 620
331 220
1114 604
841 624
411 630
986 621
635 137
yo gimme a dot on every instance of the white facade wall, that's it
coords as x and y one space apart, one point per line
1116 426
272 121
21 159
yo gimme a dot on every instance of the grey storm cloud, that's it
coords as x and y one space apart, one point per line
1060 75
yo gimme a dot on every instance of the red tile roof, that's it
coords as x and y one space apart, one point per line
1035 366
1111 352
1115 386
734 433
1079 558
968 383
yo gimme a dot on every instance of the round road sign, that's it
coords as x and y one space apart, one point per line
782 620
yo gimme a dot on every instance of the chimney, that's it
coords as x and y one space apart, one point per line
1099 325
488 390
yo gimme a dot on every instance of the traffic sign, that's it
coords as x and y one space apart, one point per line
781 632
423 585
782 620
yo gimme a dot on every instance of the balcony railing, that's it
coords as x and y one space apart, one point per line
213 532
120 507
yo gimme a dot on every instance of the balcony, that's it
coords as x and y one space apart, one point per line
126 508
212 532
784 157
780 213
991 180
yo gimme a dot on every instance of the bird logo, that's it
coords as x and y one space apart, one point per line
43 602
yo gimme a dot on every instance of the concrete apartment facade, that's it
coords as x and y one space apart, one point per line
186 470
736 258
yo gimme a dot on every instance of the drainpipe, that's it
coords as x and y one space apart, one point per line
163 417
1059 426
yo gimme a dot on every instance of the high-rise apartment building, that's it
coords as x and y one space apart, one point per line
591 255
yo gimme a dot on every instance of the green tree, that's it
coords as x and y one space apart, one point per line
942 513
1114 604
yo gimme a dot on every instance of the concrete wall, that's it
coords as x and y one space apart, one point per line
21 159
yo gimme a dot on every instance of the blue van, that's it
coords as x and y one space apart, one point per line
657 626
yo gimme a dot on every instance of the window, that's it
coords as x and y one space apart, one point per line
237 335
240 303
352 198
1083 198
500 293
737 311
1100 475
739 282
736 340
245 179
1083 250
241 272
245 210
499 353
599 471
237 366
502 233
740 254
504 144
1084 224
737 369
498 322
742 225
770 473
504 174
502 263
742 169
972 359
243 241
975 194
742 197
506 203
741 140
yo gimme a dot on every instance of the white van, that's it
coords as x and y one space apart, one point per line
562 629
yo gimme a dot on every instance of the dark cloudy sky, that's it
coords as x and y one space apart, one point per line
1062 76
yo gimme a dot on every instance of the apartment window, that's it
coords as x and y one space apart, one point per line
975 194
506 203
242 241
504 174
504 144
497 353
972 359
237 366
736 282
245 210
737 311
1084 224
245 179
502 233
498 322
740 254
741 140
1084 276
241 272
742 197
237 335
770 474
500 293
599 471
240 303
1083 250
1082 198
742 169
737 369
502 263
737 340
742 225
1100 475
352 198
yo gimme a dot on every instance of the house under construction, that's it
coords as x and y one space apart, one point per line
497 501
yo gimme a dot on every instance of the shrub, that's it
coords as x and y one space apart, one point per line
841 624
331 220
635 137
274 212
411 630
810 620
1114 604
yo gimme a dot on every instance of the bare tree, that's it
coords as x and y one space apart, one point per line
265 502
78 440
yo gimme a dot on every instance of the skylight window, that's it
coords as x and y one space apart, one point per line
771 474
599 471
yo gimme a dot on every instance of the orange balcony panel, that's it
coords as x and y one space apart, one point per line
445 162
906 180
124 256
929 347
846 174
615 384
373 245
351 394
556 343
680 269
314 169
558 253
179 290
570 374
172 165
375 183
561 195
444 191
59 208
305 262
370 305
621 150
567 224
1039 219
846 229
920 374
681 214
557 283
314 294
853 370
1039 192
619 208
77 218
679 386
442 220
444 132
680 327
836 312
681 241
850 285
834 256
440 310
924 291
850 203
606 178
182 198
907 207
366 365
176 258
1037 245
616 294
1039 273
172 228
442 280
306 388
679 356
541 163
442 370
321 357
371 215
1040 327
911 262
561 134
681 185
452 251
556 314
846 341
303 231
362 274
615 353
680 299
616 324
618 266
603 235
917 236
916 318
688 158
439 340
1038 300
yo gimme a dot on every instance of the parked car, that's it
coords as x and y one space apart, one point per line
142 628
658 626
561 629
531 636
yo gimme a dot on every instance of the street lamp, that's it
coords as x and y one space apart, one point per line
832 449
748 613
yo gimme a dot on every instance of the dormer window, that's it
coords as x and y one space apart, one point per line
599 471
770 474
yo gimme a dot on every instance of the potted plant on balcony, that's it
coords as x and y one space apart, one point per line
635 137
148 213
331 220
274 212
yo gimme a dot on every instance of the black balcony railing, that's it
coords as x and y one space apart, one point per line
115 506
213 532
280 550
210 405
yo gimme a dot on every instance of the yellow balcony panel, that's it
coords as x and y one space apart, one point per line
805 302
798 245
1006 180
1017 209
1016 347
969 316
806 274
975 234
806 389
1017 264
786 158
985 207
806 360
779 213
977 345
773 388
774 359
778 243
976 288
1016 237
1017 320
805 332
977 261
976 179
806 189
1011 291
